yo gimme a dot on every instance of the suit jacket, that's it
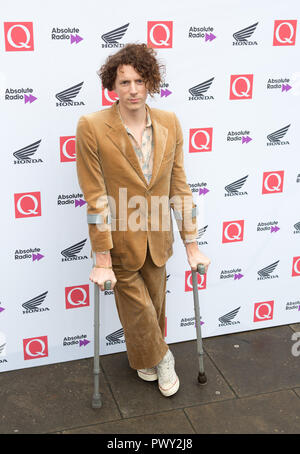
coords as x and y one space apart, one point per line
116 190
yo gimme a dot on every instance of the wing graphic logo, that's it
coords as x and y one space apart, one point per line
73 250
227 318
242 35
276 136
115 35
233 188
67 96
199 90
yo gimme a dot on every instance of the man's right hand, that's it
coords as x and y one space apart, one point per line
100 275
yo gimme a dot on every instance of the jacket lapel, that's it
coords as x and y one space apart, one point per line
118 135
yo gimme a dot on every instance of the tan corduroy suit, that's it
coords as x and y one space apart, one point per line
116 190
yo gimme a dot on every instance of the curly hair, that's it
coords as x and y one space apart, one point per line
142 58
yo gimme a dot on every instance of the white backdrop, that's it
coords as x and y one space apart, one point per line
241 131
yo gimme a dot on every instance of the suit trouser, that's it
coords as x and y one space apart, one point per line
141 302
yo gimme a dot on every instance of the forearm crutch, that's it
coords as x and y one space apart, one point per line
96 402
201 270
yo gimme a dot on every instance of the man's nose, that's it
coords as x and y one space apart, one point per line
133 87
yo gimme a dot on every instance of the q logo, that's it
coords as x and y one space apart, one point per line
160 35
201 281
18 36
35 347
108 97
296 266
263 311
233 231
200 140
77 296
28 204
272 182
241 86
67 149
284 32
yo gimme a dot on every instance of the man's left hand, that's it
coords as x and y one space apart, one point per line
195 256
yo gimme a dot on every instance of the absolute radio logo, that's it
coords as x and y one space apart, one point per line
269 226
266 272
282 84
71 253
200 140
235 274
233 231
35 304
201 281
67 148
232 189
160 34
112 38
272 182
293 305
275 137
66 96
71 199
80 340
18 36
242 36
33 254
241 86
20 94
66 34
25 155
28 204
239 136
77 296
284 32
263 311
198 92
200 188
203 32
35 347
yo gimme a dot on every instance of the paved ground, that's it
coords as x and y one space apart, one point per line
253 387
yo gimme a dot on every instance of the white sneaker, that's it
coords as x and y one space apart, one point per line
168 381
148 374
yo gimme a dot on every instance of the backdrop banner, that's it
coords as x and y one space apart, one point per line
233 79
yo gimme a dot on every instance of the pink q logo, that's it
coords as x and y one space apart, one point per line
233 231
296 266
18 36
241 86
284 32
272 182
67 149
108 97
77 296
160 34
27 204
201 280
263 311
200 140
35 347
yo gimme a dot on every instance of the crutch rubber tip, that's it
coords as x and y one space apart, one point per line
96 402
202 378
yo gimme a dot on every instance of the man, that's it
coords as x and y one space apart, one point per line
129 164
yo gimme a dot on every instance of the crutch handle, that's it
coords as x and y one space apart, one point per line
107 285
201 268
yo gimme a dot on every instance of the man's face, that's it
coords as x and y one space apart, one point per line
130 88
